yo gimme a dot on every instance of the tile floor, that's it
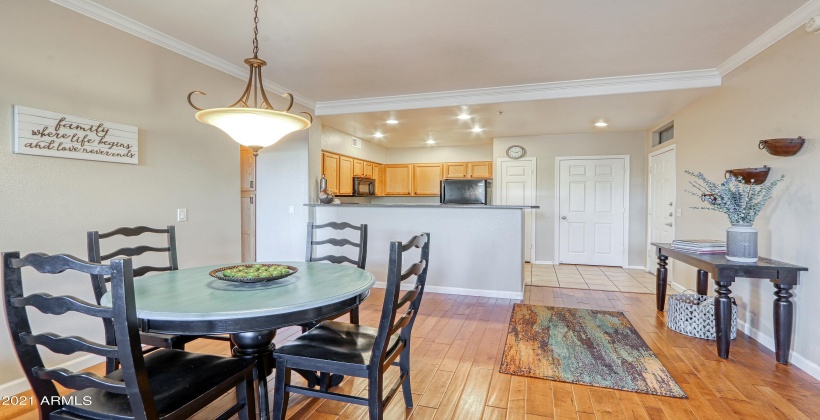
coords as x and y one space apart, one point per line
590 277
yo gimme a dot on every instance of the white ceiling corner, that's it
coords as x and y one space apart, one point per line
777 32
126 24
532 92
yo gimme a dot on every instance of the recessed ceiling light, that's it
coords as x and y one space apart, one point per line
392 121
464 116
378 135
431 141
477 129
601 123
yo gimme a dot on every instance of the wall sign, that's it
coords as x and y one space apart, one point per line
46 133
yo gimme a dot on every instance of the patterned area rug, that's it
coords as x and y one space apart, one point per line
583 346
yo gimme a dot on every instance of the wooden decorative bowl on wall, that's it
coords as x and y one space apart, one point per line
782 147
752 176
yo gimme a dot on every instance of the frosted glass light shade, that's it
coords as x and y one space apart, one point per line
253 126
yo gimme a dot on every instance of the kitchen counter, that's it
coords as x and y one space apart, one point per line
475 249
435 206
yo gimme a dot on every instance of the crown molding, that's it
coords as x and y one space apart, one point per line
126 24
777 32
531 92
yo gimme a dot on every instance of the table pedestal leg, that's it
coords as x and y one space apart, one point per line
723 318
783 322
703 282
258 346
660 279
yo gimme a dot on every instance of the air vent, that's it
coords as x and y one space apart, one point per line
357 143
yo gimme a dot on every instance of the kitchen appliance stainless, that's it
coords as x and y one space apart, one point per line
363 186
466 191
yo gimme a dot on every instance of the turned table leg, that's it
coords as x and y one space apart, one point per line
783 322
723 317
257 346
660 279
703 282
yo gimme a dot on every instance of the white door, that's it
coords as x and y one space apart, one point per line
516 188
591 209
661 200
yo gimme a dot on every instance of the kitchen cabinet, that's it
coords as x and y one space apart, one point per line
330 168
247 169
426 179
480 169
248 225
398 179
379 178
358 167
346 175
455 170
368 169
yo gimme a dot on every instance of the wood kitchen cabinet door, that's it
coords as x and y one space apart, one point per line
480 169
427 179
248 226
345 175
368 169
358 167
397 179
330 169
455 170
247 169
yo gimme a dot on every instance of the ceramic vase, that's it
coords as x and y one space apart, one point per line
741 243
325 196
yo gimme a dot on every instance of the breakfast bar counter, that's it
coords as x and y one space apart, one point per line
474 250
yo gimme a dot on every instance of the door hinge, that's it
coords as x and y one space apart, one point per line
251 200
251 184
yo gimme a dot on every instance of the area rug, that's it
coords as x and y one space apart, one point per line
583 346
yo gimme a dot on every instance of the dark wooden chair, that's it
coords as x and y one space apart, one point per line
360 261
99 282
358 350
166 384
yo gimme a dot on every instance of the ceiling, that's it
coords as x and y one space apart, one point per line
327 51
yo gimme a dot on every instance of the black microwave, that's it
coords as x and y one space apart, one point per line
363 186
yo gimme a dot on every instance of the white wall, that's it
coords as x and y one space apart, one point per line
773 95
58 60
546 148
336 141
436 154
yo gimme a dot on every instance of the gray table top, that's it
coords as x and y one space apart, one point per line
192 294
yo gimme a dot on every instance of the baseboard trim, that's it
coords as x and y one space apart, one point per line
545 262
459 291
636 267
21 385
677 287
767 341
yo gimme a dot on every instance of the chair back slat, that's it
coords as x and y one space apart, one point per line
145 269
81 380
391 321
121 316
133 252
132 231
59 305
68 345
361 258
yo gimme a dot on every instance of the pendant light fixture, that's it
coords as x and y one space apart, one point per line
256 126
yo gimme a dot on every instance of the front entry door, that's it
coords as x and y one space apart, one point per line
661 200
516 188
591 211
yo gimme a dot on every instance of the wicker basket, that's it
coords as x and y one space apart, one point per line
694 315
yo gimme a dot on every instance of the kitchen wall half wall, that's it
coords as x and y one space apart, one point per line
773 95
336 141
545 148
58 60
435 154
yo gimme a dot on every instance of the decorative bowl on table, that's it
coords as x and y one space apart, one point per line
253 273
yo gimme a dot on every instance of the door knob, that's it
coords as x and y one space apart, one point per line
563 217
670 204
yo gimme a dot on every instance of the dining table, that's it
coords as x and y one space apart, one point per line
192 302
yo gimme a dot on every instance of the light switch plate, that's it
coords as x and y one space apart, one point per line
182 215
291 209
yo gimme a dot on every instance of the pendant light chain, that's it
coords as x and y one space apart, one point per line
255 27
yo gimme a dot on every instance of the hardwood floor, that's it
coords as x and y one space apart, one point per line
457 346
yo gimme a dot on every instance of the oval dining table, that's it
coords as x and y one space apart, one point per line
191 302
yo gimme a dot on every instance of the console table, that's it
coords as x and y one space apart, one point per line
724 272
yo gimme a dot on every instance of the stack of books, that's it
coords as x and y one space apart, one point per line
700 246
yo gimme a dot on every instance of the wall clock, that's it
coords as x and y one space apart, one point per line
516 152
